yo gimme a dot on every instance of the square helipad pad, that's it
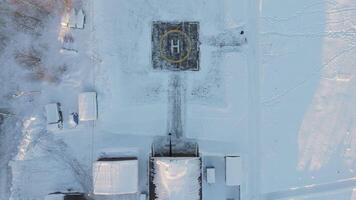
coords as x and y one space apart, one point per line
175 46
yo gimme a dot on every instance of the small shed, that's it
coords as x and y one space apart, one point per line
87 106
115 176
233 170
52 113
210 175
77 19
143 196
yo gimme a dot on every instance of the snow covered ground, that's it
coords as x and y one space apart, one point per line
136 100
308 115
284 100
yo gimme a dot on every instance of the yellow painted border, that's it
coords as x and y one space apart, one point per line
161 46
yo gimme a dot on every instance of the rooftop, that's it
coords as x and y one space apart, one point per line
175 178
115 177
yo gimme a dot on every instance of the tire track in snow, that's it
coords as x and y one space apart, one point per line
252 190
59 150
312 189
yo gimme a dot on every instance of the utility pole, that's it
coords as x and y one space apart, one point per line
170 144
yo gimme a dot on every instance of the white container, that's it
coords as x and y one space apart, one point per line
143 196
52 113
210 175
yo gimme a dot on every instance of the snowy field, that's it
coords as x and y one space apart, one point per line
284 99
307 97
137 100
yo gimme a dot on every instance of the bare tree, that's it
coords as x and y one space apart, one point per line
35 8
27 24
30 59
3 42
4 31
30 16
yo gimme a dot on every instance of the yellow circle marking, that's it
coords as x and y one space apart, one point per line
188 51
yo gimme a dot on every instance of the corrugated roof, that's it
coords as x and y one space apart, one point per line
115 177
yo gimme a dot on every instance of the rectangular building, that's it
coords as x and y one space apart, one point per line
175 178
115 176
233 170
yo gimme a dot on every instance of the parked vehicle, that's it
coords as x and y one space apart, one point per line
73 120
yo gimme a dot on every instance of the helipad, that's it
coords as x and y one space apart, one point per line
175 45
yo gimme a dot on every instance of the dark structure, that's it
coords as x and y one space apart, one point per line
173 146
175 46
71 195
116 158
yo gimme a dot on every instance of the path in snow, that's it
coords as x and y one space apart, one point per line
176 97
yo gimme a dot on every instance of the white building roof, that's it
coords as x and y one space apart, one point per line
80 18
115 177
52 113
210 175
87 106
76 19
233 171
72 19
177 178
